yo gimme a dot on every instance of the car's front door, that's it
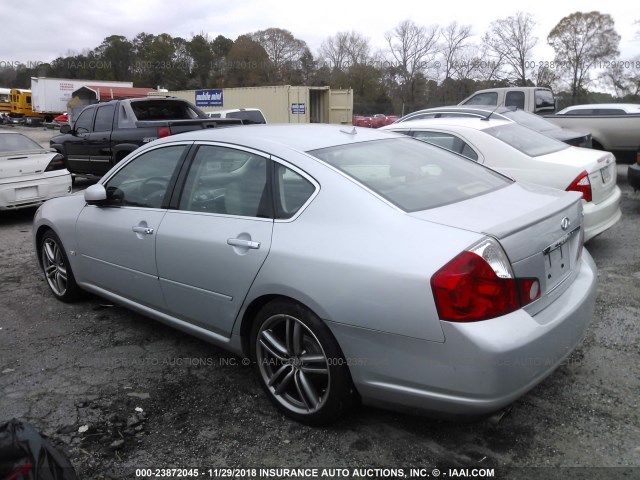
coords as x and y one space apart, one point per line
210 249
117 242
77 148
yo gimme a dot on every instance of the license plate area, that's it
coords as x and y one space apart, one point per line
557 264
25 193
606 174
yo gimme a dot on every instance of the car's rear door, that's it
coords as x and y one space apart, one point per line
212 245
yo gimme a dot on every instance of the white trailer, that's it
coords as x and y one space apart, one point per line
51 95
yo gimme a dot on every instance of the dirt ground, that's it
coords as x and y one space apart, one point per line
119 392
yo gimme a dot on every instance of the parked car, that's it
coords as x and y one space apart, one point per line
374 121
248 116
529 99
61 119
29 174
529 156
105 133
281 243
615 127
530 120
602 109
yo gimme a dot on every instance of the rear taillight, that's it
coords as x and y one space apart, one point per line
581 184
479 284
163 132
56 163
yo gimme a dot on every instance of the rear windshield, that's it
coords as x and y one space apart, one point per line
15 142
164 110
411 174
526 140
530 120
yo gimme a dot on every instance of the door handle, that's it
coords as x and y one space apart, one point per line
145 230
240 242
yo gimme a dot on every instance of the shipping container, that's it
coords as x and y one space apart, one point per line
280 104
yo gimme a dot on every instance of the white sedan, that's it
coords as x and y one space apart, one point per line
29 173
528 156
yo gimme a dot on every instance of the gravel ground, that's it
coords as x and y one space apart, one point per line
118 392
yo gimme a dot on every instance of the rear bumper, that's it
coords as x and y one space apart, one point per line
599 217
633 176
481 367
21 193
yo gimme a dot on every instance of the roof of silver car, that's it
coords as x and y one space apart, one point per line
301 137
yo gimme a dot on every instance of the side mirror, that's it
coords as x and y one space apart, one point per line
95 194
65 128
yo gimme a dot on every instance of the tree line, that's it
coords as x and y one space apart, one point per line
421 66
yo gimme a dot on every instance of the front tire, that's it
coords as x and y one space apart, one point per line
299 364
57 269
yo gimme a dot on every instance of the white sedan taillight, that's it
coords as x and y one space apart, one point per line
479 284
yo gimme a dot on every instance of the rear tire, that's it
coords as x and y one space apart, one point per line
57 269
299 364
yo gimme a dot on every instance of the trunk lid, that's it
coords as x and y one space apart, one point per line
538 227
18 164
599 165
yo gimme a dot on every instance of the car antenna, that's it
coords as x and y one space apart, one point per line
353 131
486 119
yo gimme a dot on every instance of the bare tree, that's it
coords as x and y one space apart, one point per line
512 39
413 48
452 48
345 49
580 40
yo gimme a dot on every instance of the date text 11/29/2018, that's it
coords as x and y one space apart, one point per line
259 473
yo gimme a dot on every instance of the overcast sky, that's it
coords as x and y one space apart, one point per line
39 31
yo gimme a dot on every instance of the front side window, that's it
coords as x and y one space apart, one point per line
412 175
448 141
83 123
227 181
487 98
144 181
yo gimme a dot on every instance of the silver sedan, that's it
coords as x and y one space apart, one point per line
348 264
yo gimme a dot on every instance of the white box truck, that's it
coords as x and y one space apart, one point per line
49 96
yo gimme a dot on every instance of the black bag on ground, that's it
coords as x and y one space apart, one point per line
27 455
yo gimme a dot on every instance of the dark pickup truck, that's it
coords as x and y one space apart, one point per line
105 133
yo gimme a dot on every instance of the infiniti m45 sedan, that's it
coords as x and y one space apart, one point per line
348 264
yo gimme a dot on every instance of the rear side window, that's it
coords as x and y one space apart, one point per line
486 98
104 118
609 111
292 191
410 174
545 100
514 99
227 181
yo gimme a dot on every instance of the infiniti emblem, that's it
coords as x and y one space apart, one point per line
565 223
